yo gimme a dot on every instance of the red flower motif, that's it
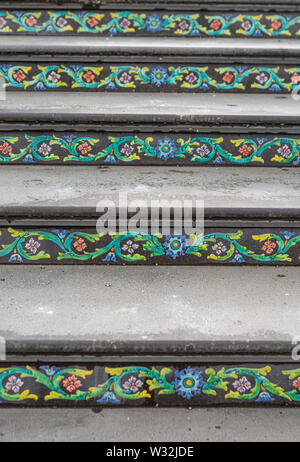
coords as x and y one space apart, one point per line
276 24
89 76
19 75
85 148
92 22
295 78
80 245
31 21
5 148
296 383
245 150
216 24
268 247
227 77
72 383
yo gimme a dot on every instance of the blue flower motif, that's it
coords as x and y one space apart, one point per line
50 370
15 258
175 245
28 158
238 259
61 233
159 76
276 88
241 69
296 161
165 148
69 138
261 140
108 397
111 256
219 160
111 86
154 23
110 159
112 31
287 234
264 396
39 86
5 67
75 67
188 382
50 29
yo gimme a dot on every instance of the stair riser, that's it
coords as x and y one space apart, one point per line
149 385
231 246
99 148
149 23
150 77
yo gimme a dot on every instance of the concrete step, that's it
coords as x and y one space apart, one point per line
96 48
157 304
149 129
50 216
144 108
25 188
183 341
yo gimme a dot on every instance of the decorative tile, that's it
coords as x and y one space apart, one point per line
149 385
148 23
151 77
262 246
144 149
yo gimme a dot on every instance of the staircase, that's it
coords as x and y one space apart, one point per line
154 101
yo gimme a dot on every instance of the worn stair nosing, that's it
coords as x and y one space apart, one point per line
149 108
120 46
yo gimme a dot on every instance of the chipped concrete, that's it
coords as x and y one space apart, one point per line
155 425
153 303
81 186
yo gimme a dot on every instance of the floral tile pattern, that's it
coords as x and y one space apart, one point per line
151 77
148 23
149 385
144 149
84 246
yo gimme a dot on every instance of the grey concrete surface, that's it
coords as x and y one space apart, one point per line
218 187
150 45
154 303
149 107
150 425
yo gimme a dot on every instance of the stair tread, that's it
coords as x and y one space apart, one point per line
163 304
268 188
150 46
149 107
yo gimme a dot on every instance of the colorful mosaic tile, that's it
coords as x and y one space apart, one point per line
82 246
149 385
149 23
144 149
151 77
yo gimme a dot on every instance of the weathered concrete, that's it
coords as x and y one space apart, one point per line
155 425
157 303
208 47
149 107
81 186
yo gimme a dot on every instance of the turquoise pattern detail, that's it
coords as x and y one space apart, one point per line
105 149
149 23
150 78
